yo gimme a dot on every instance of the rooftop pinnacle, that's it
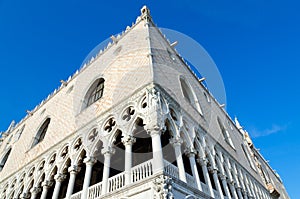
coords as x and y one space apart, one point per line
145 13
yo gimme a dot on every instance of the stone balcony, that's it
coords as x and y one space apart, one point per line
142 178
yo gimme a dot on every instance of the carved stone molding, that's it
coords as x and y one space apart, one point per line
176 141
190 152
74 169
108 150
89 160
163 187
60 177
47 183
128 140
35 190
202 161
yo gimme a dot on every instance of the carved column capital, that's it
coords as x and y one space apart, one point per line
213 170
74 169
190 152
176 141
231 182
202 161
223 177
108 151
35 190
245 192
60 177
89 160
154 129
128 140
47 183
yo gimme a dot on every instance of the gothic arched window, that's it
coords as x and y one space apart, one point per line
248 156
189 95
4 159
19 133
95 92
41 133
225 133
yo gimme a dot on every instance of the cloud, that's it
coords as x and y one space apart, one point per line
255 133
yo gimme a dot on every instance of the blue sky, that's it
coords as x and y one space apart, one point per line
255 45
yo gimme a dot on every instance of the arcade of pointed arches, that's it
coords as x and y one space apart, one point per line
87 159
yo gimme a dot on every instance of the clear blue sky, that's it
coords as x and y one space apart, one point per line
255 45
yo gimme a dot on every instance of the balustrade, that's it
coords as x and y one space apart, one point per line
76 195
171 169
116 182
138 173
141 171
95 191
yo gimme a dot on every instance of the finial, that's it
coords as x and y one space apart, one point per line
114 39
145 10
11 127
202 79
64 83
29 112
174 44
145 13
237 123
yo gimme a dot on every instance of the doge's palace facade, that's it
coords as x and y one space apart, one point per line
119 128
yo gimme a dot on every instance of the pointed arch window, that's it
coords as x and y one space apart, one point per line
95 92
4 159
19 133
189 95
225 133
41 133
248 156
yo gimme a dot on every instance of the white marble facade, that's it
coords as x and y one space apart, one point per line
142 136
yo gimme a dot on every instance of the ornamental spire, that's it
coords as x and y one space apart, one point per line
244 132
145 13
237 123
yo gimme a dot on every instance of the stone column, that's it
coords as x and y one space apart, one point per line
89 162
128 141
191 154
107 152
203 163
256 191
252 189
232 189
237 182
73 170
176 142
158 163
225 186
245 194
241 179
217 182
46 185
239 192
59 178
247 186
34 191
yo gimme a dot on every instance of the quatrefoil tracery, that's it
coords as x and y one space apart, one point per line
109 125
92 136
129 112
